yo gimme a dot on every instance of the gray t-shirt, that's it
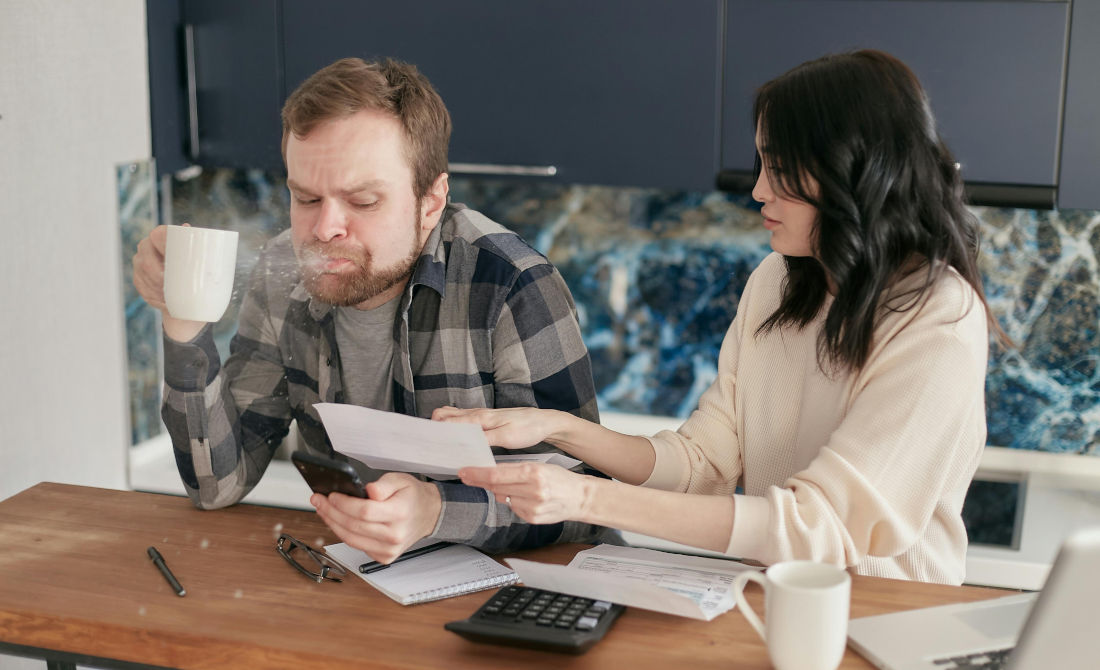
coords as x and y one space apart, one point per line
365 340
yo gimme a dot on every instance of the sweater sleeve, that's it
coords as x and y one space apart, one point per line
704 455
910 439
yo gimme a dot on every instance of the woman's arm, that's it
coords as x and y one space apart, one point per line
541 493
628 458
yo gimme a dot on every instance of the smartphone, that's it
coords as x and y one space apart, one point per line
325 475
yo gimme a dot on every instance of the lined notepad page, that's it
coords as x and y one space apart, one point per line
451 571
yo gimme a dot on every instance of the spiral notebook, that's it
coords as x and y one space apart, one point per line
451 571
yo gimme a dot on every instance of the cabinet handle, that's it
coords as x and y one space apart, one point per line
511 170
192 91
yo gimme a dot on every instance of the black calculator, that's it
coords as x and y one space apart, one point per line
538 619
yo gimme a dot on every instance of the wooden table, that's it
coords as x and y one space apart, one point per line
76 586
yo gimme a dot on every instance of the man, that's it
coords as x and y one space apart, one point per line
381 294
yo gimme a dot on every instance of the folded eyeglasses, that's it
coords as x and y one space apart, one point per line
323 567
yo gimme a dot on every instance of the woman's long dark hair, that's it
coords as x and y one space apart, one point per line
888 193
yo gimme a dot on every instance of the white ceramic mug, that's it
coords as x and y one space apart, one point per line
199 264
806 605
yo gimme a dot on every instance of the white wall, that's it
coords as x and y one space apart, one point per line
73 105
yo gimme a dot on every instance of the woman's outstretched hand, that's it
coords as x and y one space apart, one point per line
509 427
537 492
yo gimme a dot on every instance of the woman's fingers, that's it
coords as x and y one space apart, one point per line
508 427
536 492
497 475
455 415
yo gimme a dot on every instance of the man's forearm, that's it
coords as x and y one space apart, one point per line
204 425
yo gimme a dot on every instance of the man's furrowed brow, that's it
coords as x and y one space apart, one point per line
367 185
297 188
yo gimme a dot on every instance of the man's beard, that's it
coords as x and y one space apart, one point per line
347 289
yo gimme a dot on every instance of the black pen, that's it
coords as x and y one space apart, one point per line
159 562
375 566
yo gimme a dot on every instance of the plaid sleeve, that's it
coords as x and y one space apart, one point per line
539 357
539 360
225 423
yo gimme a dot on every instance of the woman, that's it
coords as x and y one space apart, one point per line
849 403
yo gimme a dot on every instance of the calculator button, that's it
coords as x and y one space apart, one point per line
601 605
586 623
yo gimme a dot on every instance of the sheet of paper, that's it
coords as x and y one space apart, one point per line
689 586
551 458
391 441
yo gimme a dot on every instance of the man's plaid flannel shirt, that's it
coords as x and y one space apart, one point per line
486 321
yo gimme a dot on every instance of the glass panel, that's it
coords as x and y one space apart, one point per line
137 208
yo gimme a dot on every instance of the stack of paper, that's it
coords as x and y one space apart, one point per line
690 586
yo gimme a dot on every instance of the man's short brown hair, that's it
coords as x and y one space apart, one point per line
351 85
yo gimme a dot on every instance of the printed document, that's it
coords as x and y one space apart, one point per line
391 441
689 586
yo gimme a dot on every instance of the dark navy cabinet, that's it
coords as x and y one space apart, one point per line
1079 182
236 62
994 71
618 92
650 93
215 83
167 84
611 92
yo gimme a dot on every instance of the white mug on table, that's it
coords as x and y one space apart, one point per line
806 603
199 264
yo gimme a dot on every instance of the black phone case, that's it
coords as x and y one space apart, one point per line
325 475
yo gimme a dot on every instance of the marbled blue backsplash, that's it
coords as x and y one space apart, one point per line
657 275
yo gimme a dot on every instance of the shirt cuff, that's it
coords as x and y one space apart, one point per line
463 512
191 365
667 472
750 526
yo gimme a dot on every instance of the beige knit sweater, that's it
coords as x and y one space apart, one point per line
867 470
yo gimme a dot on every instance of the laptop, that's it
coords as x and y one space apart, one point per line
1054 628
